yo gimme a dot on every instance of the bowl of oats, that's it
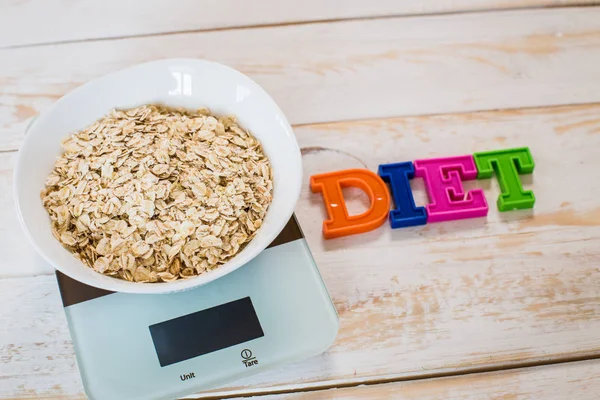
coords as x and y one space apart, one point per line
159 177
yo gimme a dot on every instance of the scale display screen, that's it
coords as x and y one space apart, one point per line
205 331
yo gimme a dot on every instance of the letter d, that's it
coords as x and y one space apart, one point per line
340 223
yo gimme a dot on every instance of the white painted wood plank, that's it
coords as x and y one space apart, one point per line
47 21
573 381
348 70
448 297
17 256
36 353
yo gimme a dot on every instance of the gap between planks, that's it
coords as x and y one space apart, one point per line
510 366
582 4
433 115
182 16
578 380
391 117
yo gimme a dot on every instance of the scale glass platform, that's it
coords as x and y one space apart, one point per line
271 311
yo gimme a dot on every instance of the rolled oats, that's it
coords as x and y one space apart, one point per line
152 194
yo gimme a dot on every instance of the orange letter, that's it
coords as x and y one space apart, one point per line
340 223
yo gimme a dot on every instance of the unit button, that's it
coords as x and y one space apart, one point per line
185 377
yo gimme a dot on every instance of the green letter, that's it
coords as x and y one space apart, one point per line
508 165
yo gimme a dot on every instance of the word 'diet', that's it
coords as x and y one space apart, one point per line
443 179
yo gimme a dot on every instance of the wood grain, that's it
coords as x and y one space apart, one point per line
496 292
46 21
348 70
573 381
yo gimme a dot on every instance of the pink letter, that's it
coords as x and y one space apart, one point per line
442 178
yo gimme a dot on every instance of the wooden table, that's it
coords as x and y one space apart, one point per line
503 307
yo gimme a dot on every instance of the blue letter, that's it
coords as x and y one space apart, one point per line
406 213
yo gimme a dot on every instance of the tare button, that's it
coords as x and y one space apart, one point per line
247 358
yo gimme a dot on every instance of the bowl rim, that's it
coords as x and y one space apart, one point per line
181 284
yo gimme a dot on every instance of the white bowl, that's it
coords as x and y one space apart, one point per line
185 83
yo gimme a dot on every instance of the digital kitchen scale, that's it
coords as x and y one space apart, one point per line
273 310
